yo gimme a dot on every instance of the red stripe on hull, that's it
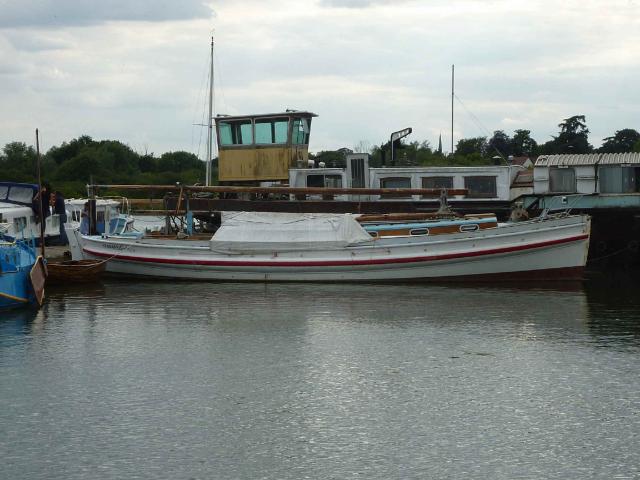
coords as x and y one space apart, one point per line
335 263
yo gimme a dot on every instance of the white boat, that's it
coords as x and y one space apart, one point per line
17 218
112 215
251 246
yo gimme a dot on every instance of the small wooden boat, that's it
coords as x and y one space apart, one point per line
76 270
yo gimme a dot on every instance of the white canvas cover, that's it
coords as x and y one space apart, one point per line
265 231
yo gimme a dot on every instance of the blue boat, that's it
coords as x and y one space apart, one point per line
22 274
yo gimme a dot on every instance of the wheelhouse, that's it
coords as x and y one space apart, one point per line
262 147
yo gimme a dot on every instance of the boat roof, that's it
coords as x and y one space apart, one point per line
286 113
18 193
6 207
79 202
588 159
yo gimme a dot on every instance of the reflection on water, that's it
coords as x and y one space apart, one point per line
203 380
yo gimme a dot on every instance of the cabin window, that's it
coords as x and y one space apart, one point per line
235 133
21 194
3 191
324 181
19 223
437 182
272 130
300 131
481 187
395 182
619 179
562 180
357 173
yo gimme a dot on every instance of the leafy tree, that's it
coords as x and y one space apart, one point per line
69 150
572 138
636 147
623 141
331 158
148 163
468 146
522 144
499 144
178 161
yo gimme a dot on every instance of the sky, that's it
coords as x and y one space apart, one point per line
137 70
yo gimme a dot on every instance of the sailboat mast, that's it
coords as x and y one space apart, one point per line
452 96
42 201
210 122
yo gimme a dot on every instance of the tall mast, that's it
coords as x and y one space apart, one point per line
209 122
42 216
452 96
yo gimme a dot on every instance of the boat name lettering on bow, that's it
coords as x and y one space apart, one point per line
115 246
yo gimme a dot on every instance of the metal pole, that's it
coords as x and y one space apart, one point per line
452 96
42 216
209 124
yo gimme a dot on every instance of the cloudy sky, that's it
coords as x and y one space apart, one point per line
136 70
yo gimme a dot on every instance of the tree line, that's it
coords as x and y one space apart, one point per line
572 138
70 166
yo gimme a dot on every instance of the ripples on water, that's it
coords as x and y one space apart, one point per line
204 380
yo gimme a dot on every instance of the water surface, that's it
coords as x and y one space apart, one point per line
206 380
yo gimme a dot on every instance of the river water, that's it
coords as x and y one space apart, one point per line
286 381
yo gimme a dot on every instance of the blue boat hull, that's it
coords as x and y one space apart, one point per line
16 262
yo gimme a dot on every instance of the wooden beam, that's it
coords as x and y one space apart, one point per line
425 192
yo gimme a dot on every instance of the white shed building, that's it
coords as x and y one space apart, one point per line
587 174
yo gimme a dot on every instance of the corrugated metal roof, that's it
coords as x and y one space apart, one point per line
618 158
587 159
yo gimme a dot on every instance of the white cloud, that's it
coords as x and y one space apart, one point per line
138 73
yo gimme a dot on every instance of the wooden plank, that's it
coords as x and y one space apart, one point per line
425 192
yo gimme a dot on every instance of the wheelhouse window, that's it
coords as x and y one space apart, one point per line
562 180
20 194
437 182
238 132
619 179
481 187
19 223
324 181
395 182
272 130
300 131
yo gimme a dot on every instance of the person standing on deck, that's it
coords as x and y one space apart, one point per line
84 219
40 203
57 203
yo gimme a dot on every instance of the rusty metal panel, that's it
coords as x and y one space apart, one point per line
263 163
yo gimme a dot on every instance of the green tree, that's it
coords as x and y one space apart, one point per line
69 150
469 146
522 144
572 138
499 144
623 141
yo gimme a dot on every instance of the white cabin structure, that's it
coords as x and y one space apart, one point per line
484 183
601 173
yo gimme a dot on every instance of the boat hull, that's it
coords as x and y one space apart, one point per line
545 249
21 275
